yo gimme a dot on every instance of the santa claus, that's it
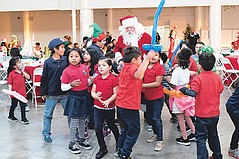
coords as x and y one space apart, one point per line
131 34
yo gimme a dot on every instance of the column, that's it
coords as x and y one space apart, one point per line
86 19
27 45
73 16
198 18
110 19
215 25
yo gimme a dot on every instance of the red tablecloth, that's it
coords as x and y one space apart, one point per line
233 59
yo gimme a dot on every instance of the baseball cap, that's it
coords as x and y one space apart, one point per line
55 42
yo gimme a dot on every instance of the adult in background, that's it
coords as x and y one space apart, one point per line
98 39
131 34
193 38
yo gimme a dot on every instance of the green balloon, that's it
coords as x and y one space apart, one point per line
206 48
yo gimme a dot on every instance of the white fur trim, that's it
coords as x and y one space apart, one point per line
130 22
118 56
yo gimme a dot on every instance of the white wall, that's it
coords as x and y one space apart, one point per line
230 25
5 26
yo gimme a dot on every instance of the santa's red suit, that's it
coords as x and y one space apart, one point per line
145 39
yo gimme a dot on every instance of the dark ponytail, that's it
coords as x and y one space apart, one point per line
12 63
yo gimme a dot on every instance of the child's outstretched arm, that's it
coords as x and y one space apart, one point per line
139 74
154 84
188 92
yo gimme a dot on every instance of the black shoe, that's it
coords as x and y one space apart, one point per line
25 121
74 149
12 119
191 137
181 141
85 145
102 152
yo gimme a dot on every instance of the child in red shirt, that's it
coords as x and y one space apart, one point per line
75 79
154 94
128 97
104 92
16 82
206 108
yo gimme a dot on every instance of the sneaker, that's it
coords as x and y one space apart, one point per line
74 149
234 153
152 139
191 137
149 128
12 119
181 141
27 109
101 153
85 145
117 152
159 146
47 139
25 121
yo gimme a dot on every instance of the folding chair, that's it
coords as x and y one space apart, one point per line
3 73
36 72
2 82
29 86
228 72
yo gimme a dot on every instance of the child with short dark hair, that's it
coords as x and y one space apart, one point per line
16 82
128 98
51 84
206 109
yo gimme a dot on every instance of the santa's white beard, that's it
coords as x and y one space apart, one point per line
131 39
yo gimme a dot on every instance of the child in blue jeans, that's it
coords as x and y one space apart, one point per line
206 108
154 94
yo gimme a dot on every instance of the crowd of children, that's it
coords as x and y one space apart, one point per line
91 85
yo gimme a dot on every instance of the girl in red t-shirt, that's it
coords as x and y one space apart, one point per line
104 92
75 81
16 82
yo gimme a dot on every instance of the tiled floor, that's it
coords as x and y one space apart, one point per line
20 141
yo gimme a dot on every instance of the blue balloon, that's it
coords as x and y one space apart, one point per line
154 46
174 53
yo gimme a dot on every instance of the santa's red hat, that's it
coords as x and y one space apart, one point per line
129 21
